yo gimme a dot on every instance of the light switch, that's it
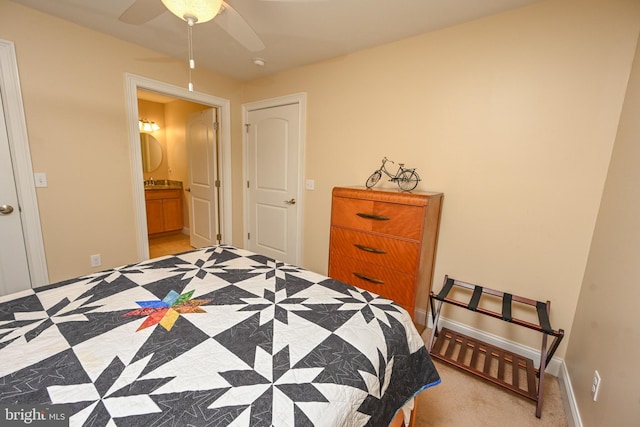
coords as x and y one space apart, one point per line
41 179
310 184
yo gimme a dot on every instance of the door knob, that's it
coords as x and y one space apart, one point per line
6 209
290 202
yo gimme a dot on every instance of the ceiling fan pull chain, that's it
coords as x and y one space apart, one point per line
192 62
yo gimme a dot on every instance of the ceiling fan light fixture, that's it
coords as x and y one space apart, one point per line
201 10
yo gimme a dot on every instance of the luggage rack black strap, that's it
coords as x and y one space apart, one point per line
475 298
445 289
506 307
543 317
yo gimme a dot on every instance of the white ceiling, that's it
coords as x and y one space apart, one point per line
295 32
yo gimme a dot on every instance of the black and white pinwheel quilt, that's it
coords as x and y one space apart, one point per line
217 336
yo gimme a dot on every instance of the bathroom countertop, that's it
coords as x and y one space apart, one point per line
163 184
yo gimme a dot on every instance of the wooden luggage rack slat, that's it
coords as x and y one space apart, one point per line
506 369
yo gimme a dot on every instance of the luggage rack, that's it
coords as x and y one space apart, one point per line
513 372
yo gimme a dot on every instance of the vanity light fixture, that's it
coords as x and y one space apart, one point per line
193 11
147 126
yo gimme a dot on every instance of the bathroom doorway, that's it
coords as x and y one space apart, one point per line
167 94
167 139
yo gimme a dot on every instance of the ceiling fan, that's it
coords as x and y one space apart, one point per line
142 11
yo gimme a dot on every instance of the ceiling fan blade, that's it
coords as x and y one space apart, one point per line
159 59
142 11
234 24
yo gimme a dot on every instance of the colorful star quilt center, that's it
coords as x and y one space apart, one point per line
166 311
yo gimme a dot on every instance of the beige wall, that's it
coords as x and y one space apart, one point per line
513 117
73 87
606 332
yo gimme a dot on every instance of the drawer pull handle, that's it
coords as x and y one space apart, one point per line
368 279
374 217
369 249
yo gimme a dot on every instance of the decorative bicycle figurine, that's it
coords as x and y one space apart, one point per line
407 179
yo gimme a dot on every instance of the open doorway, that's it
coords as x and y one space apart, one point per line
179 144
136 85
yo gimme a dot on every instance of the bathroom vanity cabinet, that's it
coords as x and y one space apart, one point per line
164 210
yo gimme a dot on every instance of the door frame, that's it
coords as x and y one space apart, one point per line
296 98
135 82
22 167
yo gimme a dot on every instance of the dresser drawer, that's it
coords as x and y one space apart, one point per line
391 284
402 255
380 217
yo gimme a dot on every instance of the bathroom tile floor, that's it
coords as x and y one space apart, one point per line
168 244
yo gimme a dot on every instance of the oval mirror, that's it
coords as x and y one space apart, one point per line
151 152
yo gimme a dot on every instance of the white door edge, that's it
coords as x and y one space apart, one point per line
133 83
301 100
22 167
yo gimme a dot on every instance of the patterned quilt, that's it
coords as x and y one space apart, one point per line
218 336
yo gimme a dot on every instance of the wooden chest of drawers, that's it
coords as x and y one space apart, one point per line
385 241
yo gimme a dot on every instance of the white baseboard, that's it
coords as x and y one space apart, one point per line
569 398
556 366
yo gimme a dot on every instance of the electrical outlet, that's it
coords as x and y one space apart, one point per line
595 387
95 260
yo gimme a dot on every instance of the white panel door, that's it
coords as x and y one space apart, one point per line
203 175
273 175
14 269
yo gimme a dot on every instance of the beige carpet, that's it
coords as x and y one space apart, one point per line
468 401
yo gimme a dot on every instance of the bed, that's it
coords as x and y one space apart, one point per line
215 336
